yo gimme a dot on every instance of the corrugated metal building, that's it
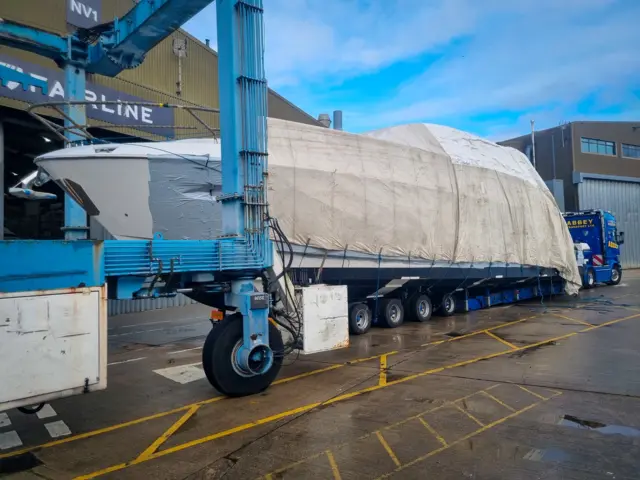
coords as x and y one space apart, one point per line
164 77
593 165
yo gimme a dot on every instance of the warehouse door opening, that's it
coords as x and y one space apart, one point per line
623 200
25 138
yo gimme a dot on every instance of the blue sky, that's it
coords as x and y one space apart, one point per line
484 66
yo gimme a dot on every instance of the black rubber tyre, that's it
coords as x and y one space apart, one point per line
216 359
31 410
616 276
590 280
391 312
419 308
447 305
359 319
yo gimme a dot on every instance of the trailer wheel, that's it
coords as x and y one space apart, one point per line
218 359
590 280
419 308
359 319
616 275
392 312
447 305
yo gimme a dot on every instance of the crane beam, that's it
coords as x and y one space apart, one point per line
137 32
40 42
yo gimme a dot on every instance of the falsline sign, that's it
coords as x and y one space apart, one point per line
137 116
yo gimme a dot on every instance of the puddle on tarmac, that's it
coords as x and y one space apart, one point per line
547 455
453 334
575 422
529 350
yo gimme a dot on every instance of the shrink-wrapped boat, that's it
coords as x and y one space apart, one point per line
415 202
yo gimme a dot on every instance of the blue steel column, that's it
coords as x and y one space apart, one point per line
2 170
243 126
230 98
75 218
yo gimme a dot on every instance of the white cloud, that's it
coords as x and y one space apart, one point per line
532 56
310 38
542 56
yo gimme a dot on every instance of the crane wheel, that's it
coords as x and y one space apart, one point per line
219 363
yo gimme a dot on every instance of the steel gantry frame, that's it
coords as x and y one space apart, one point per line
105 50
229 265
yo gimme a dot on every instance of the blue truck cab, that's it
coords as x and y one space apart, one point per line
597 240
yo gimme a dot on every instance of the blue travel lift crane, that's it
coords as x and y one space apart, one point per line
243 353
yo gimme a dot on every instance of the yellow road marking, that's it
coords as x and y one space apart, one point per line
346 396
610 322
575 320
111 428
501 340
433 431
334 466
270 476
497 400
200 441
170 431
367 435
383 370
477 332
386 446
468 414
291 412
281 381
166 413
460 440
532 392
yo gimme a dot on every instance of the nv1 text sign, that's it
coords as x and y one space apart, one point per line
84 13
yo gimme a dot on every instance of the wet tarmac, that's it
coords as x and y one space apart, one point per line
536 390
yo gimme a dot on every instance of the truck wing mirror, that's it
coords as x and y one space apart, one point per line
620 238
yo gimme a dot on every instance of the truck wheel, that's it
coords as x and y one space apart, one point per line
419 308
392 312
218 359
359 319
447 305
616 275
590 280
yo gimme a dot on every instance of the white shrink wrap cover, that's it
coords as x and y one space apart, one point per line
418 190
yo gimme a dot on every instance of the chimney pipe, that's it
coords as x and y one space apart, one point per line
324 119
206 41
337 119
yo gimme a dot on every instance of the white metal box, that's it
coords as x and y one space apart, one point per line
325 313
53 344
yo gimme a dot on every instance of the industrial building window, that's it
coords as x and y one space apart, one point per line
630 151
602 147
